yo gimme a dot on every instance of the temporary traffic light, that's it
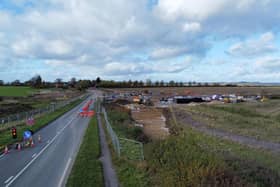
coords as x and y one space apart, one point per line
14 133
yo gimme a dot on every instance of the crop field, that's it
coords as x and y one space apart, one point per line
16 91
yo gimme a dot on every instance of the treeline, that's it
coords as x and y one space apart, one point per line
37 82
149 83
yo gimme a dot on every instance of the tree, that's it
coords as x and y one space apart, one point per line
16 83
72 82
161 84
36 81
83 84
141 84
1 82
58 83
157 83
148 82
171 83
135 83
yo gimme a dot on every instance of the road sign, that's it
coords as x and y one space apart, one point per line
30 121
27 135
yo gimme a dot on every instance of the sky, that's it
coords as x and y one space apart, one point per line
182 40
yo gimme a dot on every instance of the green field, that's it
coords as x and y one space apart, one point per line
16 91
257 120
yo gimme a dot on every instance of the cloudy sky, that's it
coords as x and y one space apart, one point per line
184 40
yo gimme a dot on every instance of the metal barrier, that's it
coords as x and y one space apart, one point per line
19 118
130 148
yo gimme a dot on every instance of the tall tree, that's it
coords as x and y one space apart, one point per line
148 82
73 82
36 81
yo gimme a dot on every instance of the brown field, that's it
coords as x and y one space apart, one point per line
204 90
152 120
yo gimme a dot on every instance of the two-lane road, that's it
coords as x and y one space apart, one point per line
48 163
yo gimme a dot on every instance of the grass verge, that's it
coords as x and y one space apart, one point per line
40 122
87 169
130 172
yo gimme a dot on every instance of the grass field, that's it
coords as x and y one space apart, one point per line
87 169
5 136
16 91
195 159
249 119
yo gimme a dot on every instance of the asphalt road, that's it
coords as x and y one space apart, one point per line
48 164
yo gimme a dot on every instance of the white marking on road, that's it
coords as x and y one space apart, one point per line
9 179
34 155
64 173
2 155
27 166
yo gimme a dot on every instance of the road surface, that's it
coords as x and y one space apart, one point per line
48 164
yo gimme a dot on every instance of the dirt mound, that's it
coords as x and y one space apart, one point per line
153 121
122 102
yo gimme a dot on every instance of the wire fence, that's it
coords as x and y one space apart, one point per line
22 117
130 148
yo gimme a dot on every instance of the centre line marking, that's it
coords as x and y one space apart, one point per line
10 178
28 165
64 173
34 155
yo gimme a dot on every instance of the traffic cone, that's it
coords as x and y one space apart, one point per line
19 146
6 150
32 143
39 138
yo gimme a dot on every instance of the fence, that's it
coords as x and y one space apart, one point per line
23 116
130 148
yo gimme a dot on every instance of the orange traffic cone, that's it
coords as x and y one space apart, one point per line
39 138
6 151
32 143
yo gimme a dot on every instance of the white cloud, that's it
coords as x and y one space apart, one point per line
161 53
123 36
192 27
268 64
252 48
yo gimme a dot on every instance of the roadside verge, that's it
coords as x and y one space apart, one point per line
87 169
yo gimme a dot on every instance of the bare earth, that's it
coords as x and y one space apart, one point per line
152 120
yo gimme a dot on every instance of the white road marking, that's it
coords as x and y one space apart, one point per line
27 166
34 155
2 155
64 173
9 179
